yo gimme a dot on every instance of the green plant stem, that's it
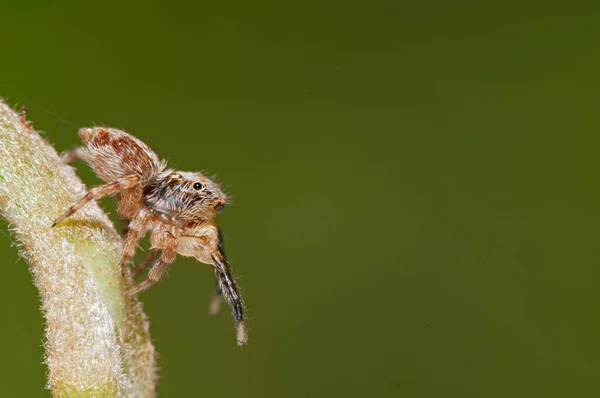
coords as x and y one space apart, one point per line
96 339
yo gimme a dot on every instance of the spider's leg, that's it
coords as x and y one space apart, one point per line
97 193
136 231
217 297
231 295
157 271
146 261
70 156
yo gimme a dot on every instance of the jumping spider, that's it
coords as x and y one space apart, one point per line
178 208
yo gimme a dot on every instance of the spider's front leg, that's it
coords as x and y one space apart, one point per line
217 297
231 294
209 251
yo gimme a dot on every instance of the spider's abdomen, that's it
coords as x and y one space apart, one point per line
113 154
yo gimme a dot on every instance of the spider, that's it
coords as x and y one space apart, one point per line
178 208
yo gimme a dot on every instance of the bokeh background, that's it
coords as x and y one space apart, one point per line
415 184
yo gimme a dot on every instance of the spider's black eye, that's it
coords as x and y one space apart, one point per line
197 186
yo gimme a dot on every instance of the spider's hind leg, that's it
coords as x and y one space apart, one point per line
99 192
68 157
136 230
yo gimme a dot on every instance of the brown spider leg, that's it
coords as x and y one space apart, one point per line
123 221
157 271
136 231
146 261
231 295
97 193
70 156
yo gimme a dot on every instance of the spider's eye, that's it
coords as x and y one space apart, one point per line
197 186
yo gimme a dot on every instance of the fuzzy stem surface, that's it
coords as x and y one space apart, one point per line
97 342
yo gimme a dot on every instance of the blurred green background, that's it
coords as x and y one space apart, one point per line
415 183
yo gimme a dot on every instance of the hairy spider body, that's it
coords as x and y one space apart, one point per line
177 208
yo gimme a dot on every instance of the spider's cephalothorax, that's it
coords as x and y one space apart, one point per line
178 208
183 198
